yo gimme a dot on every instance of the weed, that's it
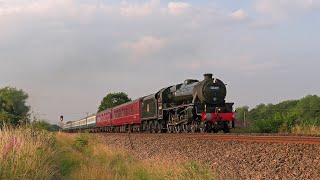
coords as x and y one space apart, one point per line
81 142
193 170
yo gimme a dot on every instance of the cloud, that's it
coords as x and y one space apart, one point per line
67 52
239 14
144 46
52 8
178 8
131 9
285 8
238 63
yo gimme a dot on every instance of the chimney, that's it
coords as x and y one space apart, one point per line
207 76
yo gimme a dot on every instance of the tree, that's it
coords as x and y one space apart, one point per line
13 108
54 127
41 125
242 111
113 99
5 119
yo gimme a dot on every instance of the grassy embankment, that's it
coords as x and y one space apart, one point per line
296 129
90 158
28 154
34 154
306 129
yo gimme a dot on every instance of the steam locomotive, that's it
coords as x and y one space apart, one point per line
192 106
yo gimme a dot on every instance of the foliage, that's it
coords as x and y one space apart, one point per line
44 125
6 118
54 128
40 125
13 108
242 111
113 99
81 142
284 116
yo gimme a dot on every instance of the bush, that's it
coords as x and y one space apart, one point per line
284 116
40 125
81 142
269 125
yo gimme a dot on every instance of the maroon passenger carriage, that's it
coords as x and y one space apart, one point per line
121 118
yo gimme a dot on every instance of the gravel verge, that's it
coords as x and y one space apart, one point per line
231 159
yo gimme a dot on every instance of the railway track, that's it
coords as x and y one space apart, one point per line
243 138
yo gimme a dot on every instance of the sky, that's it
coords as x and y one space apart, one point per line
68 54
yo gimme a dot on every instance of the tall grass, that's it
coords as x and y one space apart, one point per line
27 154
96 160
306 129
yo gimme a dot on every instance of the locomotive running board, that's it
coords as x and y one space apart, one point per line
184 105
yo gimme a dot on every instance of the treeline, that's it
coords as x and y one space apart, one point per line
284 116
14 110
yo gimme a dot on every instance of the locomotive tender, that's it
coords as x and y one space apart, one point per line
192 106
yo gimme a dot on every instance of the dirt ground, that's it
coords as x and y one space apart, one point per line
230 159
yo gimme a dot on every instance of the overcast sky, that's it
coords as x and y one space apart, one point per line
68 54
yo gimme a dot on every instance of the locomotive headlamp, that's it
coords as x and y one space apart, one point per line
208 117
215 80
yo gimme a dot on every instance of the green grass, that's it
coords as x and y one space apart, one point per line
193 170
245 130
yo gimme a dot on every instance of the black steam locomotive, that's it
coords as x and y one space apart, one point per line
193 106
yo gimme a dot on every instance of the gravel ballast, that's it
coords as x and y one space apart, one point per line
231 159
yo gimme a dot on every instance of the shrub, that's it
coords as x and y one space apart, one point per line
81 142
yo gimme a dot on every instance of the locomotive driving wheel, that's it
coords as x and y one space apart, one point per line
202 127
152 127
177 129
160 127
169 128
156 126
193 127
145 127
209 127
184 128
